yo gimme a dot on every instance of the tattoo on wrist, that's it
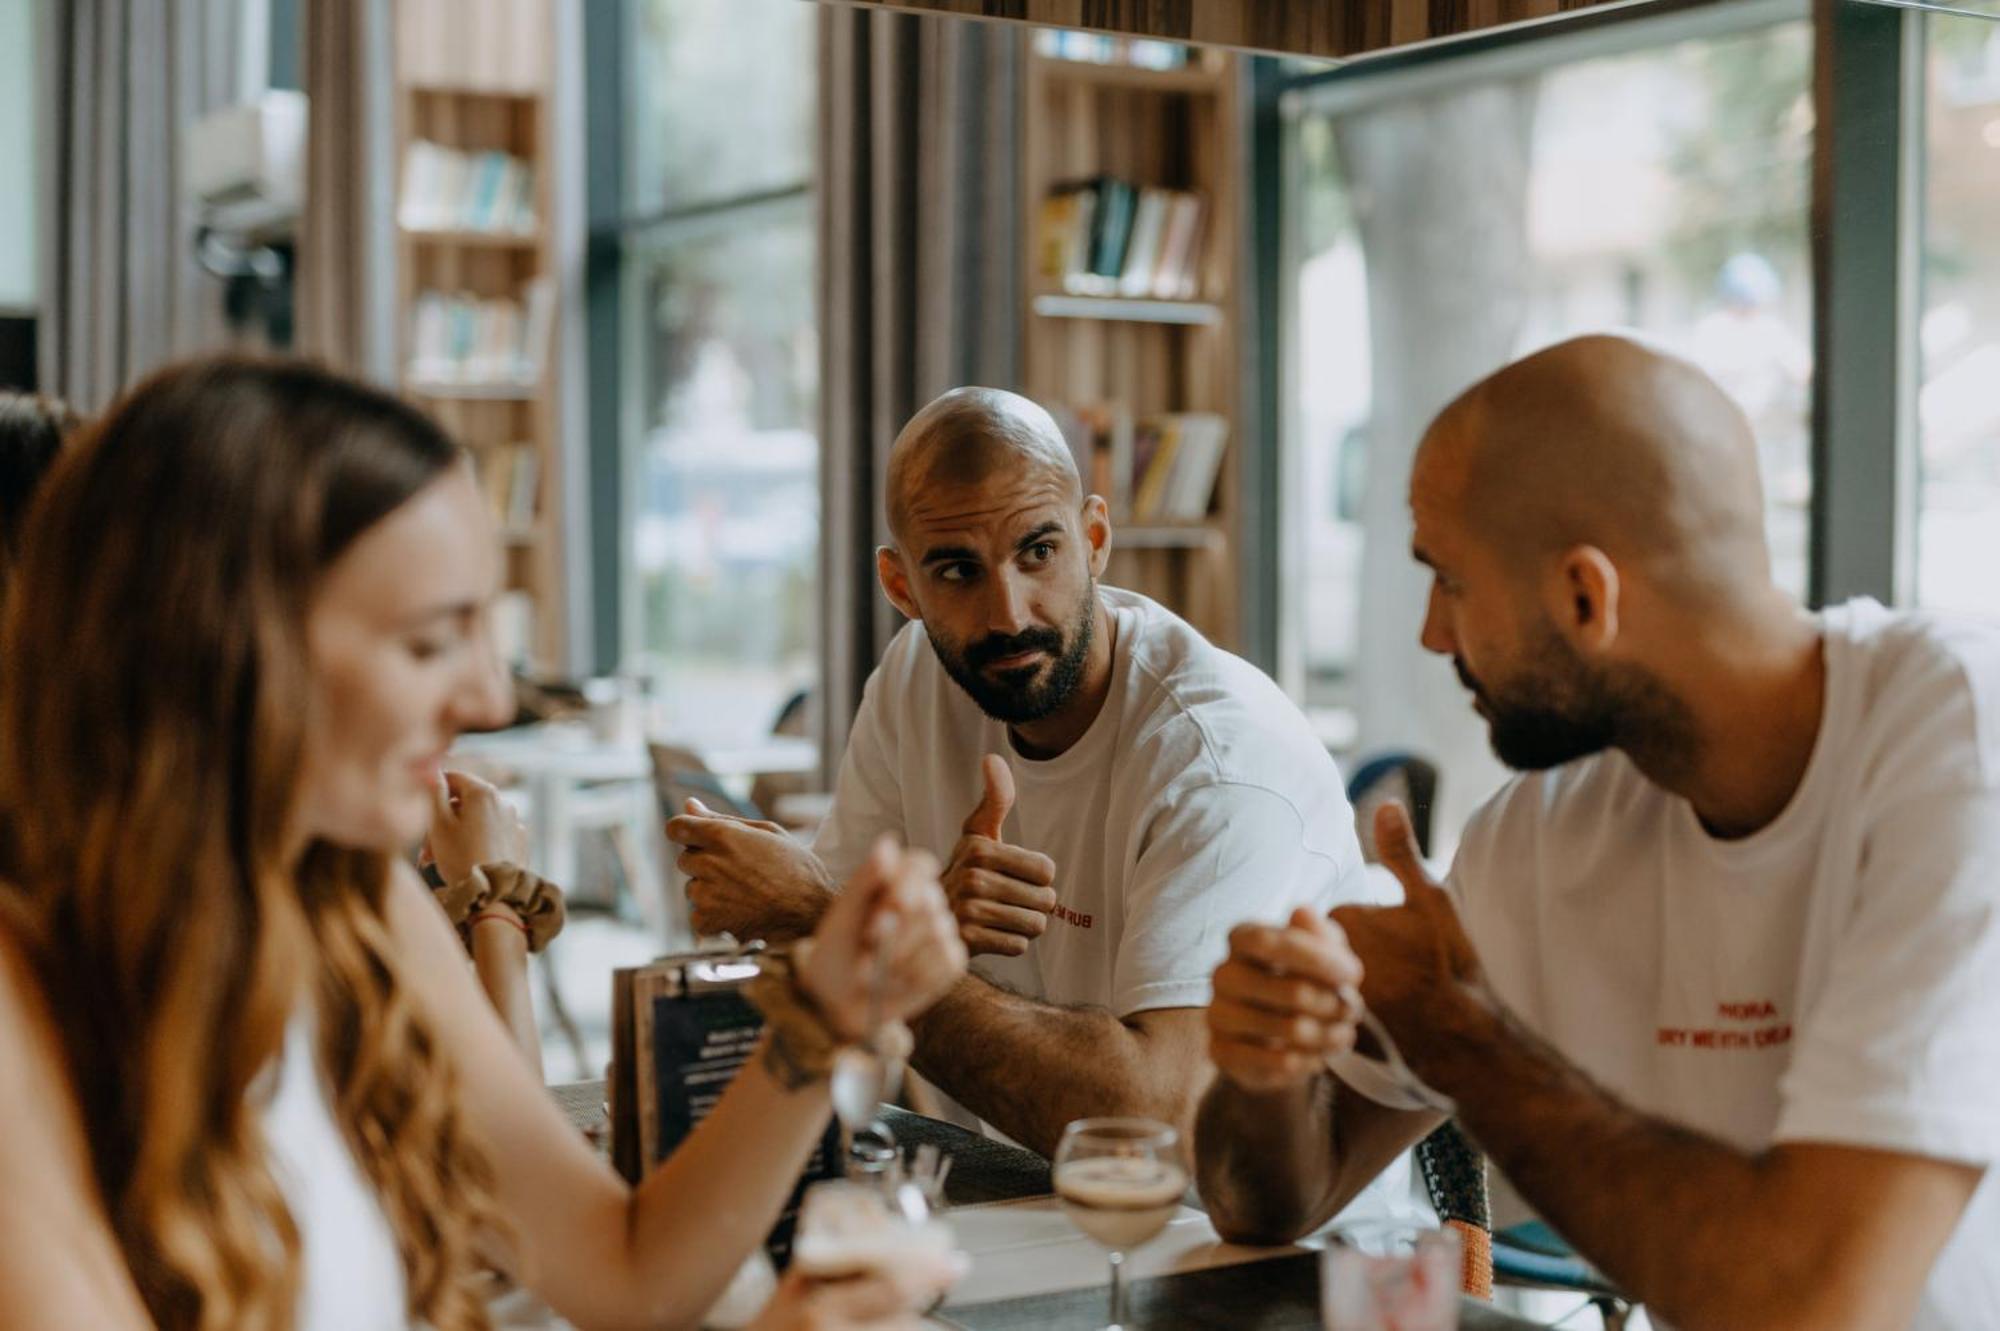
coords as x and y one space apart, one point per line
785 1066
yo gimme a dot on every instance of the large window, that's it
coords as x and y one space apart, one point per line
720 363
1958 406
1447 216
18 45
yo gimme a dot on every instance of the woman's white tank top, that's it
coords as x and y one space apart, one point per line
352 1273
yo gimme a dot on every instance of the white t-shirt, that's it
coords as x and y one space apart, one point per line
1197 800
1834 977
352 1270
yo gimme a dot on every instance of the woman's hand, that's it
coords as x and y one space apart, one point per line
877 1301
891 920
471 825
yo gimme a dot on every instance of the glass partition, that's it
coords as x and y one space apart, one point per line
1958 405
1446 219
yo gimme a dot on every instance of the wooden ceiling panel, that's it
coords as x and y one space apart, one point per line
1332 29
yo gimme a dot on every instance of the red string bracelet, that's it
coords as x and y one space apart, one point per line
514 920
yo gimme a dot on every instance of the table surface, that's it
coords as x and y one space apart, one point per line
1188 1280
1274 1294
573 751
1033 1272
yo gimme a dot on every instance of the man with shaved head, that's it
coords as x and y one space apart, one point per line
1110 792
1716 981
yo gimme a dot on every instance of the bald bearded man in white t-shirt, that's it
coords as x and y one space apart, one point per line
1716 984
1111 793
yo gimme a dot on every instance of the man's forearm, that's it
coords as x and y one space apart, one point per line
1028 1068
1265 1160
1698 1230
789 921
787 913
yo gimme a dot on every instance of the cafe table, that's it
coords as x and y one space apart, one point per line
1031 1271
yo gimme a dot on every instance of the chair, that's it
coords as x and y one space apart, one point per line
1533 1256
1403 777
795 718
679 774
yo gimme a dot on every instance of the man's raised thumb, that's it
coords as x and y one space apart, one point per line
990 813
1396 847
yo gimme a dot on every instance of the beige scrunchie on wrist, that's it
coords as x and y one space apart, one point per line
535 899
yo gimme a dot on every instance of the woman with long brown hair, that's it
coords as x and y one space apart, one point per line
246 1076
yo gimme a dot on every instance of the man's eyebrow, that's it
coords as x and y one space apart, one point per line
1417 553
947 554
1047 528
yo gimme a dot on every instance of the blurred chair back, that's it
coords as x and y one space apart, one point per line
680 775
1530 1255
1403 777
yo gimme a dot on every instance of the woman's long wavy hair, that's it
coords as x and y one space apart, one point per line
153 710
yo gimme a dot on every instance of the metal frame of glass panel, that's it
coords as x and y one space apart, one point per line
1868 160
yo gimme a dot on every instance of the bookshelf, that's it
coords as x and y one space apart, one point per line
1120 352
477 275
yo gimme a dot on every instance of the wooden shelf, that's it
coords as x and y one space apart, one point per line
1192 79
425 88
1128 309
1133 357
1168 536
495 94
474 392
487 240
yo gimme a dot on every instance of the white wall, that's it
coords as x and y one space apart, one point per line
19 177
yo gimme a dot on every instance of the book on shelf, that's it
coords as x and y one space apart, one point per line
1160 468
1111 233
510 475
513 619
448 190
1109 237
1141 264
1158 444
463 340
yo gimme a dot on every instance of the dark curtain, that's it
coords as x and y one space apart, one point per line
919 289
345 236
123 79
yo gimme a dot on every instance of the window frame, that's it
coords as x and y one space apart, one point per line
620 242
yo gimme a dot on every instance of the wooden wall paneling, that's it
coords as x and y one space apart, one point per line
1121 371
1160 366
545 418
1089 376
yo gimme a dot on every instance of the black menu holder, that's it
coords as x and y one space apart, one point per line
680 1030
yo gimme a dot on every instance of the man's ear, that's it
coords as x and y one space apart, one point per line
1097 533
895 580
1584 598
